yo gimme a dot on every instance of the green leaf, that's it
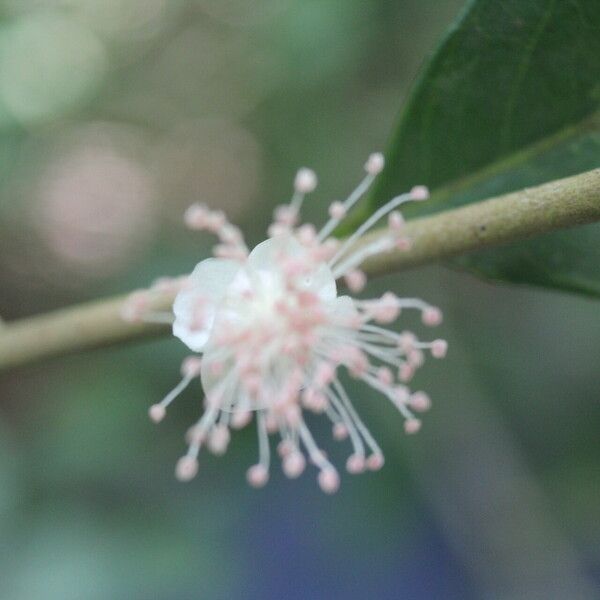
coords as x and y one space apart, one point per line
567 259
511 94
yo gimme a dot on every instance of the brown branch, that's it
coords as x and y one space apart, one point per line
530 212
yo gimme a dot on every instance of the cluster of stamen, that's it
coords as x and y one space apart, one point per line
277 338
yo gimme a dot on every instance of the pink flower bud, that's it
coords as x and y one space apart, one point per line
186 469
375 461
432 316
419 192
306 181
340 431
375 163
191 366
355 464
294 464
257 475
439 348
412 426
329 480
337 210
157 413
420 402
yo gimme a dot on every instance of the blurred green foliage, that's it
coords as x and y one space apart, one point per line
115 115
508 75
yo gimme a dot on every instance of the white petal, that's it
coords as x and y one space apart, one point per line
264 260
321 282
208 283
208 377
265 255
344 307
218 381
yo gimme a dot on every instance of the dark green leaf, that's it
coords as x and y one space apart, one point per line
510 75
568 259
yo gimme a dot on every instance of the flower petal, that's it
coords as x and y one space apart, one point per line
265 256
207 285
265 259
322 282
344 307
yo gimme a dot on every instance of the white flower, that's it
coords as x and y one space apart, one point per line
274 335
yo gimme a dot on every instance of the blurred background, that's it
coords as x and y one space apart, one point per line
117 114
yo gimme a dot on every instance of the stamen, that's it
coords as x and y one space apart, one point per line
135 306
355 280
158 411
187 468
305 181
199 217
354 197
337 210
369 439
412 426
196 216
294 464
438 348
329 480
258 474
383 244
375 163
420 402
371 222
420 192
219 439
355 438
432 316
277 334
396 221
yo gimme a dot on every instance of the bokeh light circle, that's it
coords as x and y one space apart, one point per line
49 64
96 202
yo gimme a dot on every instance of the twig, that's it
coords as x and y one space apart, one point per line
516 216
